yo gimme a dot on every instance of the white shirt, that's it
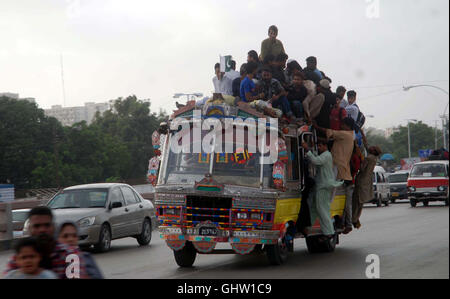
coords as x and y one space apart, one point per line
229 78
219 85
233 74
352 111
344 103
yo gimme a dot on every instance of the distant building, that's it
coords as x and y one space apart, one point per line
390 131
31 100
71 115
374 131
9 95
15 96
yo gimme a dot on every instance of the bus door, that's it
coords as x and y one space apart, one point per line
306 168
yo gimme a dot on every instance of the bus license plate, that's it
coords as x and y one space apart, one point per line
395 194
208 231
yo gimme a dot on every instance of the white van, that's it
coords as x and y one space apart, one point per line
381 190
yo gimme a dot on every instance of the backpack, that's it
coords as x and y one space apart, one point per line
360 120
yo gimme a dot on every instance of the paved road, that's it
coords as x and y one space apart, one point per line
411 243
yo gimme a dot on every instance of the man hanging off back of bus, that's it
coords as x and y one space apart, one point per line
325 184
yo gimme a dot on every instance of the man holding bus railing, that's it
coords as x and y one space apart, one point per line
325 183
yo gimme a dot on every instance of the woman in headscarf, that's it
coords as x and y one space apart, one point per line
68 234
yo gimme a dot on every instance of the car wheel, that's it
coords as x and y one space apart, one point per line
277 253
426 203
392 200
146 235
446 202
104 242
386 203
413 203
186 256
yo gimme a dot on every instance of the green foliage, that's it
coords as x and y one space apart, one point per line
24 131
422 138
37 151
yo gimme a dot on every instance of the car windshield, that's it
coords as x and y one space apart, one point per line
398 178
72 199
429 170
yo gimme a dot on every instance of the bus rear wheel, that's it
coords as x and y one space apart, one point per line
315 245
186 257
277 253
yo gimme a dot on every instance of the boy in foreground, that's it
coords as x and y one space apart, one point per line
28 258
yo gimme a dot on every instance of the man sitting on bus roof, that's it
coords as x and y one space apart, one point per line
274 93
237 82
218 79
297 93
279 67
272 45
248 88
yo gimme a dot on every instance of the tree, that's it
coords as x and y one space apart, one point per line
422 138
85 155
130 120
38 152
24 131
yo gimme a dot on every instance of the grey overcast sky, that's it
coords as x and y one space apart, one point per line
154 49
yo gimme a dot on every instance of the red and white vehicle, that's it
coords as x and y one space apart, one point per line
429 182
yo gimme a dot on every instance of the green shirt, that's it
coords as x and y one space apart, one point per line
269 47
325 178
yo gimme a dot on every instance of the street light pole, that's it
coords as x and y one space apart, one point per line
444 127
409 142
444 119
435 135
409 137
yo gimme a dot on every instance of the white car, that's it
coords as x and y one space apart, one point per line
19 217
381 189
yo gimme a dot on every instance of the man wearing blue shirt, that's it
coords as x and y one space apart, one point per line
248 87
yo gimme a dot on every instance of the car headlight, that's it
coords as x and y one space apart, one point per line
412 189
85 222
242 216
442 188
